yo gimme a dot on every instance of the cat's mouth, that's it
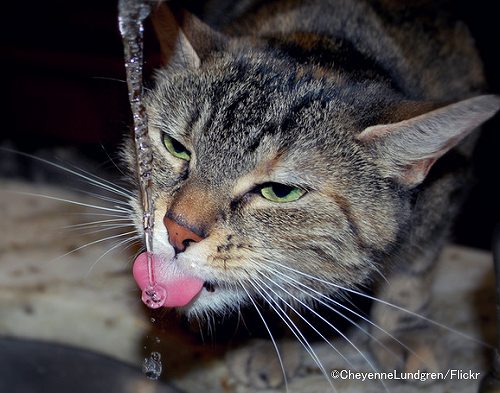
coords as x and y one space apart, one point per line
182 288
209 286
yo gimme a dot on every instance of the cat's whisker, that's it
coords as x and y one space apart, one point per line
106 228
91 225
97 223
95 180
305 320
295 248
202 336
131 240
92 243
138 242
291 326
90 177
121 215
280 360
107 78
357 325
137 253
372 366
386 303
337 330
211 318
241 319
117 210
380 273
113 161
105 198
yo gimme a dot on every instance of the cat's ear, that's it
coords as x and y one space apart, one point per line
184 39
406 150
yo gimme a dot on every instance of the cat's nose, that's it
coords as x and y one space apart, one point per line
180 236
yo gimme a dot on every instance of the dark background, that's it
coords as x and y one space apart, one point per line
63 86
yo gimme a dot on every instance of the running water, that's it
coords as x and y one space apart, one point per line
131 15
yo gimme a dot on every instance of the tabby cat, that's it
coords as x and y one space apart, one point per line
304 147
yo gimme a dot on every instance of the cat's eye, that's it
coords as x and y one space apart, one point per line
176 148
276 192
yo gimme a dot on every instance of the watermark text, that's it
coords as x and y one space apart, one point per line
422 376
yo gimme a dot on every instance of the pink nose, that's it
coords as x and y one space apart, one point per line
180 236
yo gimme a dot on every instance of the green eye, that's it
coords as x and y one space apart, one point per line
276 192
176 148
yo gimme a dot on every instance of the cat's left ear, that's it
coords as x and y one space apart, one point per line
184 39
406 150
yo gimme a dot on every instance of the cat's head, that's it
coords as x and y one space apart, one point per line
272 178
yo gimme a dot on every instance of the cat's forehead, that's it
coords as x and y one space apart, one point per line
239 115
243 95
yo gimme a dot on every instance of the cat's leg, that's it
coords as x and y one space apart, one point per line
414 344
256 364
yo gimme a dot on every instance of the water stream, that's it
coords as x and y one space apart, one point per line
131 14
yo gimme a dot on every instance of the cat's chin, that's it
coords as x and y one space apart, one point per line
221 301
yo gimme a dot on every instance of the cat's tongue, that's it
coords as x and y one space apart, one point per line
181 288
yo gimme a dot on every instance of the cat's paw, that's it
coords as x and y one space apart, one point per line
257 365
410 352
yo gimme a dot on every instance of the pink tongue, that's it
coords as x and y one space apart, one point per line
181 288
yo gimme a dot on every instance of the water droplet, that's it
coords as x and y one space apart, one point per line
151 366
157 340
153 320
154 296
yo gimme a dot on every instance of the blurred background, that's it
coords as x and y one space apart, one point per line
64 94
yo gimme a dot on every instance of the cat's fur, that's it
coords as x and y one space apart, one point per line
353 101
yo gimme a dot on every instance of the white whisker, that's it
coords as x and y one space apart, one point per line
106 78
124 215
95 223
93 242
111 160
270 335
305 320
101 182
120 243
274 271
106 228
329 324
90 177
350 290
293 328
104 198
118 210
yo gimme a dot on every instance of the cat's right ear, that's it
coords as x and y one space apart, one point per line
184 39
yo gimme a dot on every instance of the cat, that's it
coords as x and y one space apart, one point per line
302 148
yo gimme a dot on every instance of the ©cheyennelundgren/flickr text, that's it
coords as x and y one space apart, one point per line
452 374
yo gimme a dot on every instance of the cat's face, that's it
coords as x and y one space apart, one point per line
270 176
261 166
